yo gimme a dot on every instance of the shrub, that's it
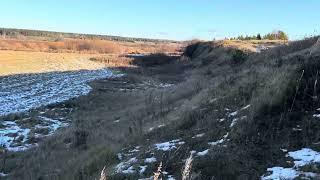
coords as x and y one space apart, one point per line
80 138
154 60
239 56
190 49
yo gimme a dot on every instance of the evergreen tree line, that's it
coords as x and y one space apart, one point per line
277 35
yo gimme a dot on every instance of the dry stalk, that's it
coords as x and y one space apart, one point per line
158 173
186 174
103 175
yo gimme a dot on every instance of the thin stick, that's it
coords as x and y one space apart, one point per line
297 89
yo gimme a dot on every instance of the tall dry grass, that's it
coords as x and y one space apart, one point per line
87 46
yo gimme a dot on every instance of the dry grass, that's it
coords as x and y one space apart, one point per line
252 45
87 46
21 62
186 173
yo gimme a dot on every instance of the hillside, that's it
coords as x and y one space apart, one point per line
236 114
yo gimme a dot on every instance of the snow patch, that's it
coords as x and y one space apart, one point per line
150 160
219 141
216 142
199 135
14 137
246 107
3 174
130 170
301 158
203 153
142 169
304 156
136 149
316 115
126 167
10 133
234 121
167 146
233 114
165 85
279 173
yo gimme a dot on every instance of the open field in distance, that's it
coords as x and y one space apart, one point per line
21 62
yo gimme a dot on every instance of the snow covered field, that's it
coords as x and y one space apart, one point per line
20 93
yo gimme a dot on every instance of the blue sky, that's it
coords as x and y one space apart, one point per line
167 19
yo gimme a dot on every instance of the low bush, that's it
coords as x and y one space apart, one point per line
239 56
154 60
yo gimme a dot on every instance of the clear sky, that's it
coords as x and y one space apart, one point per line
168 19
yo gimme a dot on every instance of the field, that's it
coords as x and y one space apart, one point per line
86 46
23 62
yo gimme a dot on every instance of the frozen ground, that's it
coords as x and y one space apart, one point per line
301 158
20 93
23 134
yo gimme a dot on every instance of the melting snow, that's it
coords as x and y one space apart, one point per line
136 149
125 167
199 135
234 121
167 146
219 141
316 115
221 120
284 150
54 124
130 170
165 85
119 155
279 173
150 160
3 174
301 158
143 169
21 93
9 134
14 137
246 107
203 153
233 114
304 156
133 160
216 142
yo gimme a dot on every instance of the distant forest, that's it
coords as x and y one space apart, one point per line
8 32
